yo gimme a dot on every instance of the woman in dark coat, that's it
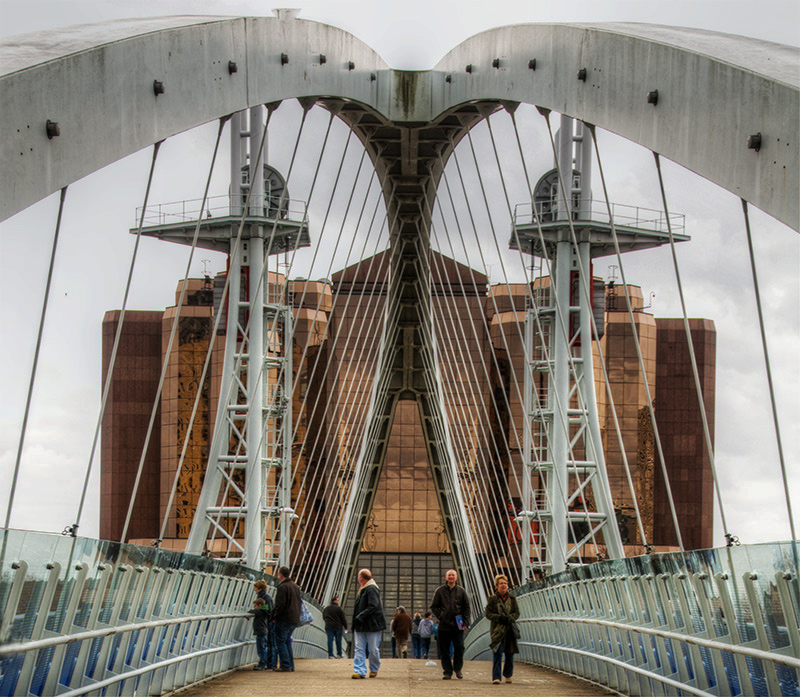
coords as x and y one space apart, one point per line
502 611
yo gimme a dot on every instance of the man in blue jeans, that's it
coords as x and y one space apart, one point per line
286 614
368 624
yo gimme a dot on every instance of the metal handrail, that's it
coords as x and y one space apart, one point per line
110 631
190 210
597 210
688 638
100 684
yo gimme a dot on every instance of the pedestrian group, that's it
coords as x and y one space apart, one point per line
274 622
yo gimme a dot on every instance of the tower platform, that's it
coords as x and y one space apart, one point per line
283 231
636 228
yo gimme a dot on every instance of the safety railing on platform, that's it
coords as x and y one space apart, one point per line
181 212
82 616
597 210
711 622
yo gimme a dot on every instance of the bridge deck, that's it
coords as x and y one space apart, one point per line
397 678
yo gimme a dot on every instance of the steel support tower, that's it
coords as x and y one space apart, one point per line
566 501
246 495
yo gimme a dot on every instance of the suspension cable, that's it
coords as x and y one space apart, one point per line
172 336
466 419
514 430
35 365
762 328
355 409
117 337
635 336
324 478
456 322
692 357
304 486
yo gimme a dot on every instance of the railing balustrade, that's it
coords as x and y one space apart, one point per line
81 616
702 622
597 210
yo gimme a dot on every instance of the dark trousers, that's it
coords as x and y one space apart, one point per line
261 649
334 635
497 659
283 636
416 645
272 653
265 647
454 638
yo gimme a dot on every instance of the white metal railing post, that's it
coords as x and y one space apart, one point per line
139 580
160 636
67 627
115 601
105 572
173 634
45 601
782 579
157 587
20 569
697 580
761 634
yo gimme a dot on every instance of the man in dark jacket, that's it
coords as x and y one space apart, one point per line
286 614
368 623
451 605
335 624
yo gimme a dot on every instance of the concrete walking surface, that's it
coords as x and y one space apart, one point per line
397 678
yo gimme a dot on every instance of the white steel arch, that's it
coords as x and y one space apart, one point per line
97 82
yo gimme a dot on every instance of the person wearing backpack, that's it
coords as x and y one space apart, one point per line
425 634
415 640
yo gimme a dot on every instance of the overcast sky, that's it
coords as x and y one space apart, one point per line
413 34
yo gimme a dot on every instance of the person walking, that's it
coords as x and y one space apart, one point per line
425 634
368 623
270 655
335 624
416 644
402 630
502 612
451 606
286 614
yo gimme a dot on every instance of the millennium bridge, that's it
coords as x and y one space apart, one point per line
408 170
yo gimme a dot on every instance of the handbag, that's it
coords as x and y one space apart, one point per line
305 614
515 629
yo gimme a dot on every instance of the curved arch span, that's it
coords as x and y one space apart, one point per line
97 83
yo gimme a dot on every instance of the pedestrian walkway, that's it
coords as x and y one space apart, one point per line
397 678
